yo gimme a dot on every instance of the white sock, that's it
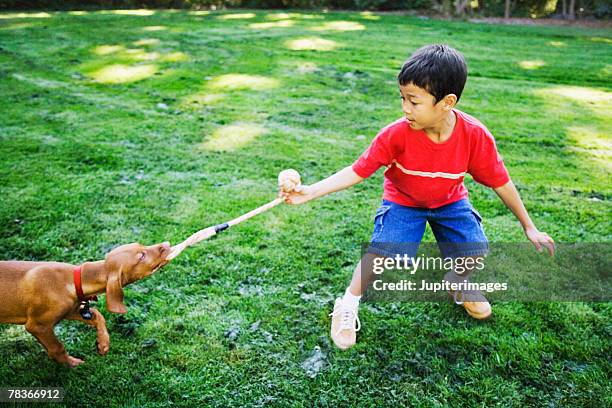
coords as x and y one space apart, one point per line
351 300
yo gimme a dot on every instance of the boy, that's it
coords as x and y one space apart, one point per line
427 154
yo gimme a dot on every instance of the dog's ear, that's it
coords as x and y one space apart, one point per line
114 291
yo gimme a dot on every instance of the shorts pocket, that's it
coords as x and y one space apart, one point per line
477 215
379 220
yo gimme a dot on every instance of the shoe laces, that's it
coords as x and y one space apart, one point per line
349 319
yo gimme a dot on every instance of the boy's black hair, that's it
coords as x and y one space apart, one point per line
437 68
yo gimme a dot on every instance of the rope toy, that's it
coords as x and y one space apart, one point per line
288 181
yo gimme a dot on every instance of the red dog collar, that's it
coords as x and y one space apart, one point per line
79 287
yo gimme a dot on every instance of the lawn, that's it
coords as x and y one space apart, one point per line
149 125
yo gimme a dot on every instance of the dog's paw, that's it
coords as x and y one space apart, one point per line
73 361
102 347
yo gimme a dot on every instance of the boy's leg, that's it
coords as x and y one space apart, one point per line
345 317
459 233
394 226
474 302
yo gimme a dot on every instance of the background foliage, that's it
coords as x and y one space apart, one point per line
520 8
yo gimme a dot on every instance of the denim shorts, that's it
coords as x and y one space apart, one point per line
398 230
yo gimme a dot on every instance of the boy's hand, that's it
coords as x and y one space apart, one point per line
539 239
300 195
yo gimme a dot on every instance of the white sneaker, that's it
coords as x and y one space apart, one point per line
344 325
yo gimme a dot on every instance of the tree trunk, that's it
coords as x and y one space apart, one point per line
447 7
564 9
460 7
507 10
571 15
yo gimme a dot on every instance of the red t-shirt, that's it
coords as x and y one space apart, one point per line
421 173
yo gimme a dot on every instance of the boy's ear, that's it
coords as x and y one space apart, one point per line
449 102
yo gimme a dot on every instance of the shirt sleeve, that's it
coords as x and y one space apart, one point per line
486 164
378 154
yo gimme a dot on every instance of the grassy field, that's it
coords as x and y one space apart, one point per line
147 126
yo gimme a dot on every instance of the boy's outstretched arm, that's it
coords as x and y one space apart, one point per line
511 198
336 182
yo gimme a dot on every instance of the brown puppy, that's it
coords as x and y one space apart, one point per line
40 294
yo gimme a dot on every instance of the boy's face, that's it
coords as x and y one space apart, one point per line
421 109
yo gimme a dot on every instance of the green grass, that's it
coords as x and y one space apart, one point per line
183 143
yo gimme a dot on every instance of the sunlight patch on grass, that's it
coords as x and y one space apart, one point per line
120 74
140 55
557 43
17 26
232 137
78 13
202 98
134 51
282 16
307 67
174 57
146 41
141 12
24 15
108 49
275 24
239 16
311 43
186 209
368 15
578 94
339 26
154 28
531 64
242 81
199 13
15 332
590 138
601 39
311 16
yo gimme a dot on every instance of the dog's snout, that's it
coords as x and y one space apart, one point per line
164 247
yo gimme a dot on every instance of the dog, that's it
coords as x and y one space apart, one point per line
40 294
